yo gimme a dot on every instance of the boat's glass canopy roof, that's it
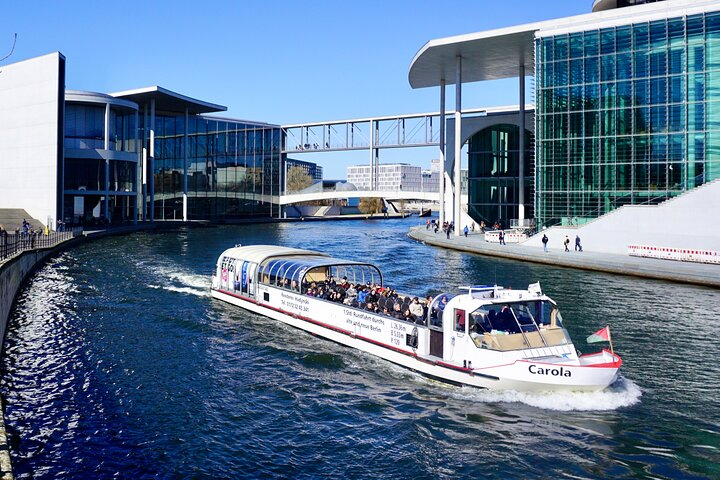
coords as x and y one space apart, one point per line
295 270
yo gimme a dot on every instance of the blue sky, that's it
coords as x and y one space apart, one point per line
273 61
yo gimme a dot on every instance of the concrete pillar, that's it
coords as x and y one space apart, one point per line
152 160
458 144
372 155
521 168
106 147
441 218
376 156
185 168
137 150
144 164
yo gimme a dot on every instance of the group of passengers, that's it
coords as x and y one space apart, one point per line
371 297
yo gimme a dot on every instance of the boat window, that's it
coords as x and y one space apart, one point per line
459 320
437 308
515 317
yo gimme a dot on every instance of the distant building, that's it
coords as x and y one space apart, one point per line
313 169
392 176
430 181
435 165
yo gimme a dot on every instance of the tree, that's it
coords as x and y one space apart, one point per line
370 205
298 179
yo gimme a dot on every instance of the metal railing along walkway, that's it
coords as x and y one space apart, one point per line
13 244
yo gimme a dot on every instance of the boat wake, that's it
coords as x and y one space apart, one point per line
187 290
622 393
183 282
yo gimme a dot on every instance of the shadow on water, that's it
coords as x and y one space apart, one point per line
118 363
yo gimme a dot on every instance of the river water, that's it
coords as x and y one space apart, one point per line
118 363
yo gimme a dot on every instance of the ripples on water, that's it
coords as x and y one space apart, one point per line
119 364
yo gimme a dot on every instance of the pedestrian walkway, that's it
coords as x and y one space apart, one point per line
685 272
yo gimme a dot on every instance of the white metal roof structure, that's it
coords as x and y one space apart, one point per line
169 101
260 253
495 54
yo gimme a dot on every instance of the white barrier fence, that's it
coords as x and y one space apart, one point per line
679 254
493 236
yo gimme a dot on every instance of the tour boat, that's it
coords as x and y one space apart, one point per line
484 336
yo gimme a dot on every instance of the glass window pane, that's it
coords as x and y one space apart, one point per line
624 66
561 47
607 68
623 39
696 88
591 43
607 40
592 70
640 36
658 35
658 63
576 71
640 64
677 88
576 45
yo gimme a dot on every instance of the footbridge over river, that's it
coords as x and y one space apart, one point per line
371 134
390 195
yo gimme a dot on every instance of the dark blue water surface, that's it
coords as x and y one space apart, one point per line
118 363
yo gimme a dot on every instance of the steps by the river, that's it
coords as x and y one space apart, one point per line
12 218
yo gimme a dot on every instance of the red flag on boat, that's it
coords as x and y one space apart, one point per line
602 335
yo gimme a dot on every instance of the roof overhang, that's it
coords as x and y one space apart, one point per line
496 54
168 101
488 55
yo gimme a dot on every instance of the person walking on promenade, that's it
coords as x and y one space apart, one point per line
482 226
465 231
427 225
447 231
566 243
545 242
501 236
578 247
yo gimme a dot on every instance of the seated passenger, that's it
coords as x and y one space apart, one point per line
443 303
397 311
416 309
493 319
507 320
407 316
369 306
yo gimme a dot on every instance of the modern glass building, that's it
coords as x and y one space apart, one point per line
99 174
230 169
494 173
153 154
627 114
627 107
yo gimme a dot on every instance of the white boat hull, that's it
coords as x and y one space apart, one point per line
386 338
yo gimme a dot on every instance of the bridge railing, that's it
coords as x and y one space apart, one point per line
13 244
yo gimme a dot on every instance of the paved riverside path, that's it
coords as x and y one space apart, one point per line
685 272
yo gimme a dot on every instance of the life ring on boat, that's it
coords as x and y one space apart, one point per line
414 338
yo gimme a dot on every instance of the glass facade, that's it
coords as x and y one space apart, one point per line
233 168
87 176
493 174
626 115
